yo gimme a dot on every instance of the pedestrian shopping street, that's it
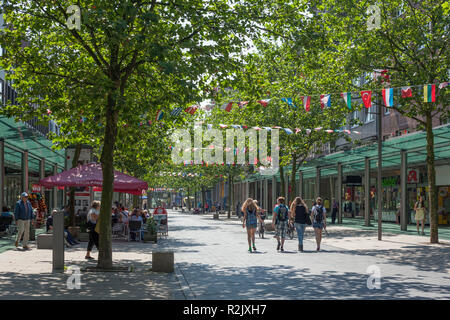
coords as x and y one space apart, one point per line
212 262
212 258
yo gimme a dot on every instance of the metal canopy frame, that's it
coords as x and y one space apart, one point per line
353 160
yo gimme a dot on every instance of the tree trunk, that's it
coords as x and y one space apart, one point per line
230 194
432 204
107 157
203 199
283 185
189 199
76 156
293 182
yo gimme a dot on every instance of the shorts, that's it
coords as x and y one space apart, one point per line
318 225
280 229
251 225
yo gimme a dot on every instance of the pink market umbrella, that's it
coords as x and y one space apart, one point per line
90 175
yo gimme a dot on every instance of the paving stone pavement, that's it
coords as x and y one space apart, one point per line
213 263
28 275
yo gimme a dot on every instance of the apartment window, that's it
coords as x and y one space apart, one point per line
355 116
2 98
370 114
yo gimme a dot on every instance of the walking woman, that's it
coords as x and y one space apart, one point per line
319 219
420 209
251 217
92 219
299 211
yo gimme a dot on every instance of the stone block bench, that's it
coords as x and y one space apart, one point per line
44 241
163 261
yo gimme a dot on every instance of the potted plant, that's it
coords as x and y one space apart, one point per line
150 233
83 235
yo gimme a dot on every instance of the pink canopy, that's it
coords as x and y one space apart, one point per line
90 175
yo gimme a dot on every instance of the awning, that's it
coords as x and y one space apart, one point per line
91 175
415 144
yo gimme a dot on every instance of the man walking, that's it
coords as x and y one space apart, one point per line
280 221
23 213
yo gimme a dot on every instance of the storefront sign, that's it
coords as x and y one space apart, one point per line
36 188
413 176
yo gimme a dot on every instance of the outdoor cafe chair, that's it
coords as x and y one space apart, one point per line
135 228
119 231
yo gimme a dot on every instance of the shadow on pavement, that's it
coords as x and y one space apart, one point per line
288 282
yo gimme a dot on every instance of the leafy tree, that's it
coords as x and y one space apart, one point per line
122 46
411 42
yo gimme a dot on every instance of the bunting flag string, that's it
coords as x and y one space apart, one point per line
366 95
429 95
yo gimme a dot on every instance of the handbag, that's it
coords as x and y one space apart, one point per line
308 220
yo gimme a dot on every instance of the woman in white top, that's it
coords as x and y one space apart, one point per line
92 218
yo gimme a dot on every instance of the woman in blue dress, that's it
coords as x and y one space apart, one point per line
251 217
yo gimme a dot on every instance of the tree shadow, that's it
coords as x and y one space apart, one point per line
94 285
288 282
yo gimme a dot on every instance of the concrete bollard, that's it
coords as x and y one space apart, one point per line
58 241
44 241
163 261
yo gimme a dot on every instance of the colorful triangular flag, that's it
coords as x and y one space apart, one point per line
227 106
306 102
325 101
429 93
289 102
264 103
159 115
347 96
176 112
406 92
443 85
191 110
367 98
388 97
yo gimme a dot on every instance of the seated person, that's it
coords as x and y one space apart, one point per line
135 216
6 212
68 239
49 223
115 216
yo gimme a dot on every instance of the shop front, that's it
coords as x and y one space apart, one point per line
443 185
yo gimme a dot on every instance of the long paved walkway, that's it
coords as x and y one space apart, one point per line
213 263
